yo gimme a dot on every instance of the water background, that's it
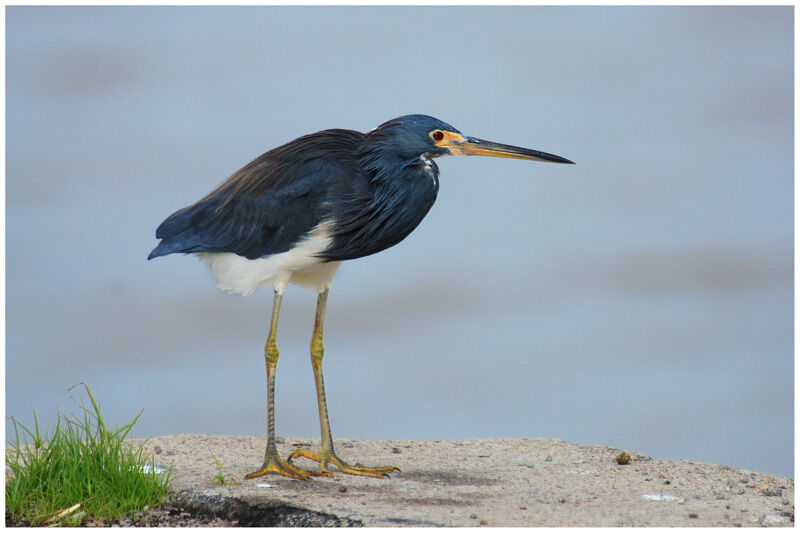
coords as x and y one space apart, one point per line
642 298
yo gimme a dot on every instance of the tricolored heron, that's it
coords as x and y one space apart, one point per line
296 212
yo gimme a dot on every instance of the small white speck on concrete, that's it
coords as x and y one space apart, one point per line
770 518
660 497
149 468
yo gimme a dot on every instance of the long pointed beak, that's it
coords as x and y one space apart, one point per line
474 146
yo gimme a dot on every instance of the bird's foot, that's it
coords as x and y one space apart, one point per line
326 457
275 465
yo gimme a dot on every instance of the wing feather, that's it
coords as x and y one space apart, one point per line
268 205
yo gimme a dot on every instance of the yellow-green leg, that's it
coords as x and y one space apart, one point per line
326 455
272 462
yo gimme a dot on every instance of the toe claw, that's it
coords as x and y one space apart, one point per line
275 465
325 457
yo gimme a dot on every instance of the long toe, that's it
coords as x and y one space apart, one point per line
276 465
324 457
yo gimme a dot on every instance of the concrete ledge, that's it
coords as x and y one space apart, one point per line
494 482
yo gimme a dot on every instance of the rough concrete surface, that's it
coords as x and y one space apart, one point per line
492 482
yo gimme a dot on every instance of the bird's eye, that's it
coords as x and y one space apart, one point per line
437 135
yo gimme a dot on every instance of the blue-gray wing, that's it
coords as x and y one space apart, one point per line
270 204
250 225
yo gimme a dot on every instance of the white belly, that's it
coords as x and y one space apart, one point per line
300 265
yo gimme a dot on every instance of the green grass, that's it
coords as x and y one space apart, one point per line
220 478
80 462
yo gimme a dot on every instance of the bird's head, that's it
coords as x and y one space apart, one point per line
414 136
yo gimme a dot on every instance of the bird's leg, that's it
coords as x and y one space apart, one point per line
272 462
326 455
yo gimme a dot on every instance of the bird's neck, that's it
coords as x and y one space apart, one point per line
387 168
399 195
